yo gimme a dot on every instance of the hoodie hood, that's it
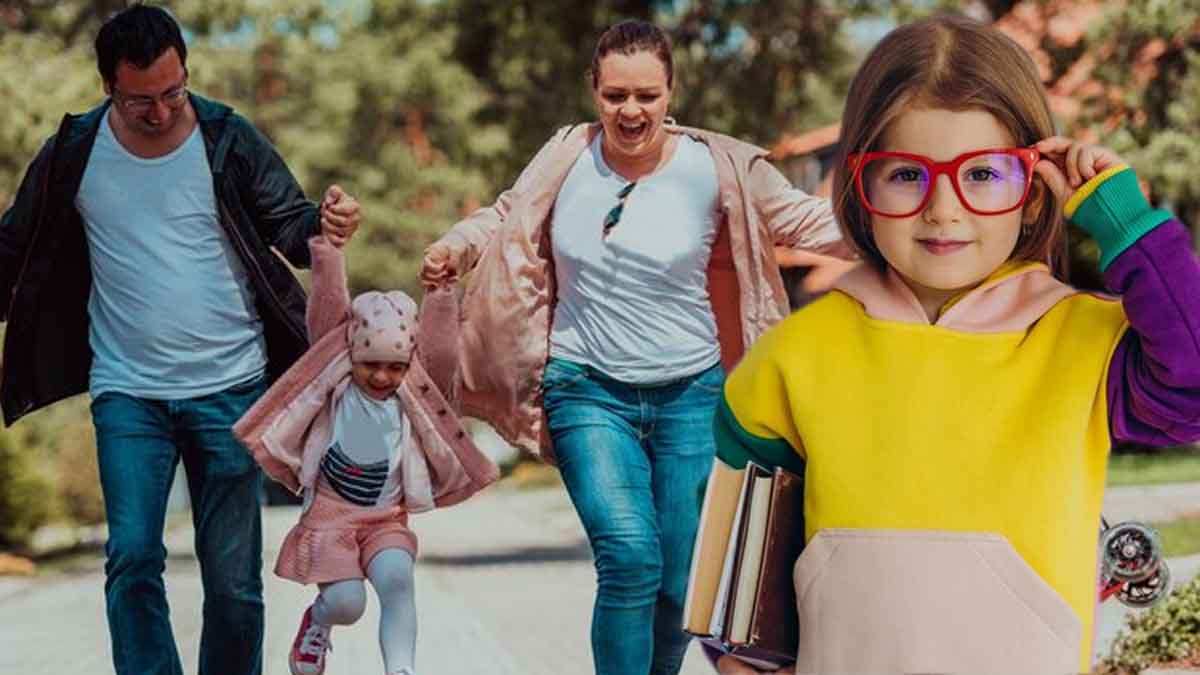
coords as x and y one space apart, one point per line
1014 297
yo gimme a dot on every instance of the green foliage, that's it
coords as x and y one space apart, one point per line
371 100
1168 633
1180 537
48 471
32 112
1150 60
758 70
752 69
1131 465
80 498
23 491
534 56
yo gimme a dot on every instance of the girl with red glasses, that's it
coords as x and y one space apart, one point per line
953 401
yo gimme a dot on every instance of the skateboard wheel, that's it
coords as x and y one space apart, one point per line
1148 591
1131 551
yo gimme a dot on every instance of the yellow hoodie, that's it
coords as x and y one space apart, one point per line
979 441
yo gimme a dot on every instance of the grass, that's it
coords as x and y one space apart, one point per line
1174 465
1180 537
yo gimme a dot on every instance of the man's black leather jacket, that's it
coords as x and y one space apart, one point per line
45 275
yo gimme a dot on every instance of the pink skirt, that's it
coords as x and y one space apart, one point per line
336 540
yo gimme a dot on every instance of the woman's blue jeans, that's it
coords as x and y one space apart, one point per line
634 460
139 443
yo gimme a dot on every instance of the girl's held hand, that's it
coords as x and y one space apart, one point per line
340 216
1066 164
437 269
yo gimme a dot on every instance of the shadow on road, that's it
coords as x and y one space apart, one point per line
518 556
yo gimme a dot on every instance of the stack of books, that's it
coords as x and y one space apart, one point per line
740 594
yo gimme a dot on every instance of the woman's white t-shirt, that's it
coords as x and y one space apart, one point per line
635 305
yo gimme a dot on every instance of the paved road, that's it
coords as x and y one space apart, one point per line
504 586
1152 502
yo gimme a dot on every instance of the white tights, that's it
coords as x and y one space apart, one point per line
342 603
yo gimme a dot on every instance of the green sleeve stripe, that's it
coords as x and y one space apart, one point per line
736 446
1089 187
1115 212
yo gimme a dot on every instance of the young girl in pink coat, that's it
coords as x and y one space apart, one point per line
362 425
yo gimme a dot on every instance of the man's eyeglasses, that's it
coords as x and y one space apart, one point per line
988 182
614 216
173 99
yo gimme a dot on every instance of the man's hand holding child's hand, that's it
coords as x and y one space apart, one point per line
438 268
340 216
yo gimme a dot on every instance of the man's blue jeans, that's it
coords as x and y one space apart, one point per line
634 460
139 443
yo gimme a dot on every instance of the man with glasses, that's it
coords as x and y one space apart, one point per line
136 263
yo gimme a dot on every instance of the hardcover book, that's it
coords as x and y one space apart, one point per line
740 594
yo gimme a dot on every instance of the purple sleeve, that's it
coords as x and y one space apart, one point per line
1154 376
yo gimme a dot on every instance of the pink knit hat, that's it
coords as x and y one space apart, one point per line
383 327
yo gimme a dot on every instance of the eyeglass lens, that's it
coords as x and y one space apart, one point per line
171 99
989 182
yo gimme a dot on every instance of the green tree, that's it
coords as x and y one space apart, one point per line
29 60
751 69
372 99
23 491
533 57
1149 61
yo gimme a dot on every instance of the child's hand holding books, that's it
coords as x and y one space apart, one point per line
729 665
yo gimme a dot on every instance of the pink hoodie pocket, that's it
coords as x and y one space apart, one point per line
919 601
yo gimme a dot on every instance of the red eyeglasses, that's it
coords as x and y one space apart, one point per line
987 182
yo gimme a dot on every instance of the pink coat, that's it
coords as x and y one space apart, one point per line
289 429
510 294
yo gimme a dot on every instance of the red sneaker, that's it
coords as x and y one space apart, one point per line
309 647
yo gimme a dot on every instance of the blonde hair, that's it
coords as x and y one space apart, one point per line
955 63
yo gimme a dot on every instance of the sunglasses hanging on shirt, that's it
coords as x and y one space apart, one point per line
614 215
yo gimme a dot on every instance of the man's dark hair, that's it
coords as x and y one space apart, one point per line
139 35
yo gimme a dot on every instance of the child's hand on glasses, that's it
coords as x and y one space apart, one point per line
1067 164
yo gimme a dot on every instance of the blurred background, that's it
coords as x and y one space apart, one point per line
426 109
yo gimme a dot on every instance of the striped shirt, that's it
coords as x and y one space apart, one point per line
356 483
368 437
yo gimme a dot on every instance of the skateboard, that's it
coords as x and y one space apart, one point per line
1132 567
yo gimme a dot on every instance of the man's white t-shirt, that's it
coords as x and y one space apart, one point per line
171 310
